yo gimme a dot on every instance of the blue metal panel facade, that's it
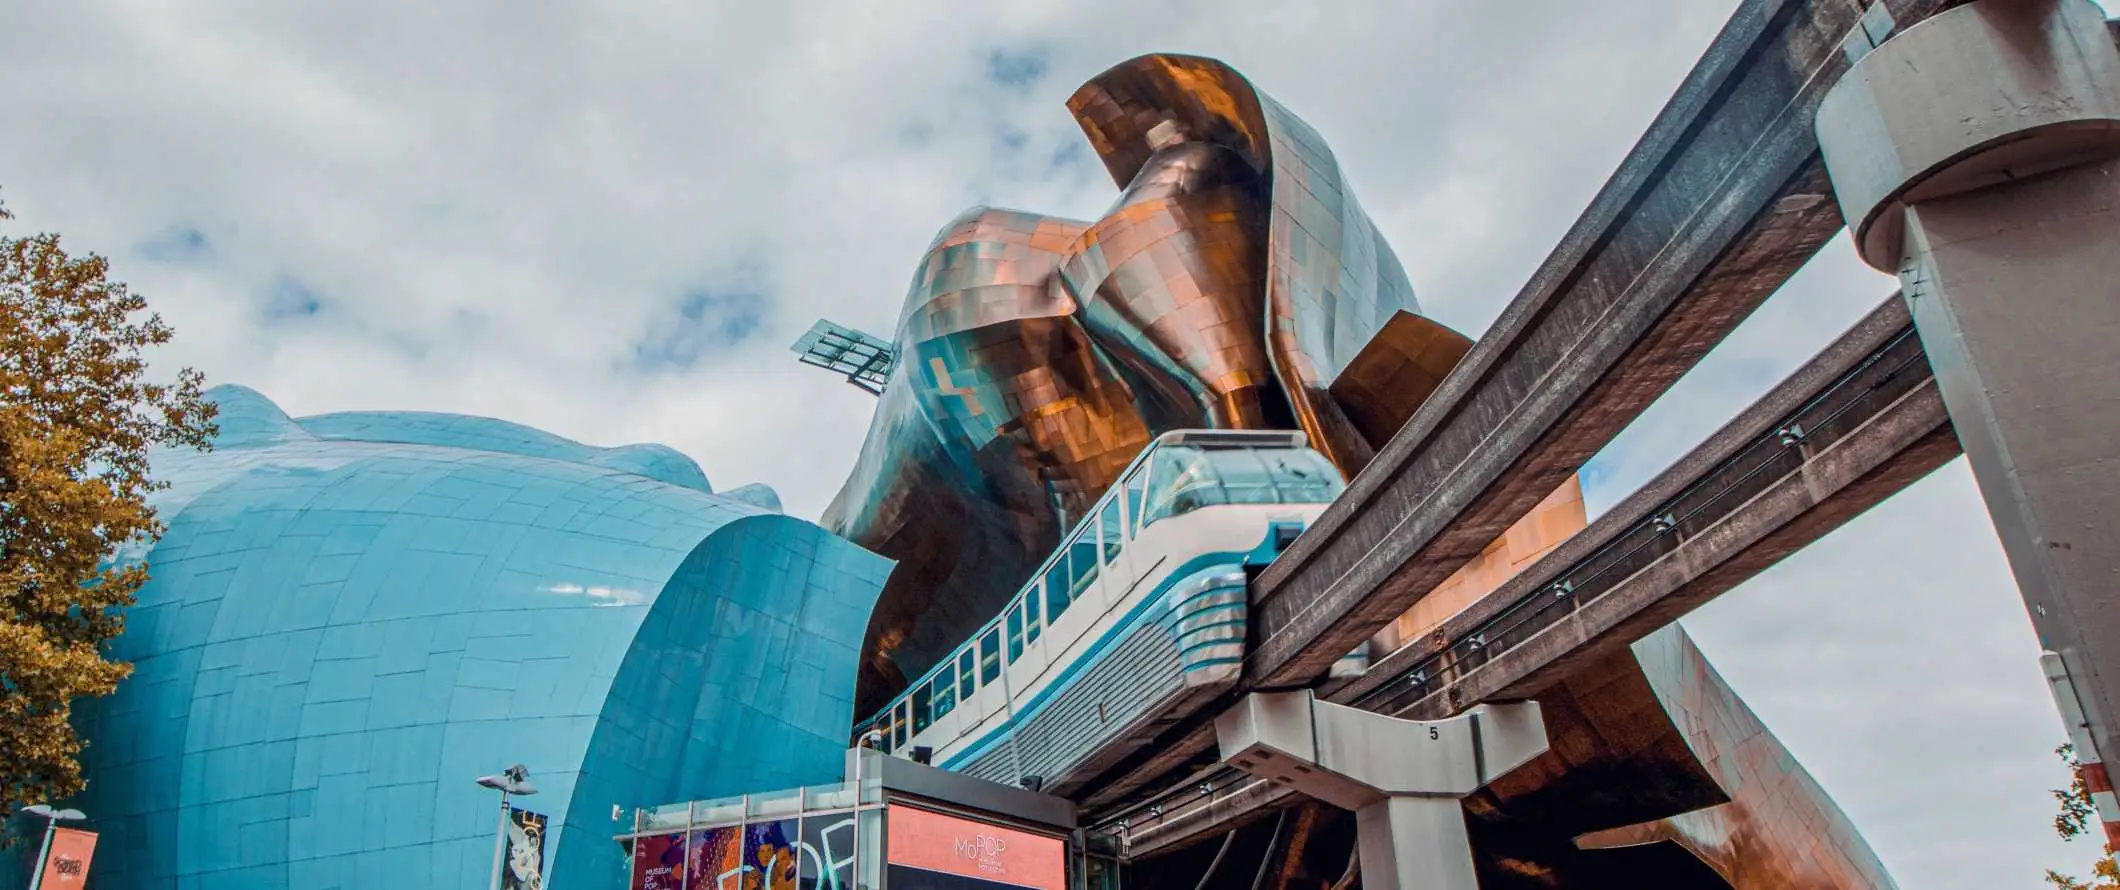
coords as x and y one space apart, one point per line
353 616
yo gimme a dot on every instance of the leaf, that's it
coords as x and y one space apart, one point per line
77 417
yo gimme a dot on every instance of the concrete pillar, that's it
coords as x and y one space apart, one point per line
1977 156
1403 778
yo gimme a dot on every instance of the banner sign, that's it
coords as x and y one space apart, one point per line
67 865
715 859
523 863
659 862
827 852
984 853
769 857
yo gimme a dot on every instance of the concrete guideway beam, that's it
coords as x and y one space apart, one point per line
1745 506
1714 480
1722 199
1977 155
1844 433
1402 778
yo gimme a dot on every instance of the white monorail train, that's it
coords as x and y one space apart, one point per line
1135 621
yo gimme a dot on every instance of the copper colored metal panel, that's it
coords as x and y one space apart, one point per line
1232 279
1236 282
1391 376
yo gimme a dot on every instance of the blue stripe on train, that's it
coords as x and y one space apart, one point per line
1199 565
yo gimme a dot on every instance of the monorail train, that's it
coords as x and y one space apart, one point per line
1135 621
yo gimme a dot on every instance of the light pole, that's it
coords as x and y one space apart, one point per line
513 780
51 824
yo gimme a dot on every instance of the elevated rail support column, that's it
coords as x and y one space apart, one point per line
1403 778
1977 156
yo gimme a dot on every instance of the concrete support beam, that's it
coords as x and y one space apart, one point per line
1403 778
1713 481
1722 200
1904 442
1978 157
1859 424
1746 506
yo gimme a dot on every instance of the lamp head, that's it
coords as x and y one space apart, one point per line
513 780
43 811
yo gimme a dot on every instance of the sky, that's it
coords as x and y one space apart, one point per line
609 220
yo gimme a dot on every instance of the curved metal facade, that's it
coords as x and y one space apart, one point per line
354 615
1234 277
1236 282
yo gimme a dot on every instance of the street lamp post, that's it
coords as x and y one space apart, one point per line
513 780
51 825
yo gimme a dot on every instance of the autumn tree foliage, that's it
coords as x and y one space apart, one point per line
2074 821
77 416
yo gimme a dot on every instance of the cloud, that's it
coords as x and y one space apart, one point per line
704 324
1015 68
608 220
181 244
288 299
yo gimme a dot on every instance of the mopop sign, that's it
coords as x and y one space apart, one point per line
926 850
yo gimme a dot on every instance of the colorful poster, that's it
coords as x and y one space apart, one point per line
523 863
827 853
769 855
67 864
659 862
947 845
715 859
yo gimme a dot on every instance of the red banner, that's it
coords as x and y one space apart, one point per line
935 842
659 862
67 864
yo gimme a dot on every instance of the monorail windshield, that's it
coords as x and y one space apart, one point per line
1177 474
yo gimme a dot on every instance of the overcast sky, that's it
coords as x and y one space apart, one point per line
608 220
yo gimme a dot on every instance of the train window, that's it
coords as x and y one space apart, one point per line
1135 485
1032 623
1108 529
945 686
1015 634
1303 477
990 656
1056 588
898 726
923 699
967 680
1244 478
1055 584
1082 564
1182 480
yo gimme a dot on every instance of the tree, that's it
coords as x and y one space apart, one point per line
77 416
2075 820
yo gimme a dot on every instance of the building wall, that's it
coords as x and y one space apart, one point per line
353 616
1555 519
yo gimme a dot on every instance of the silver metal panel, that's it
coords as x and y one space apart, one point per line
1208 622
1137 677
